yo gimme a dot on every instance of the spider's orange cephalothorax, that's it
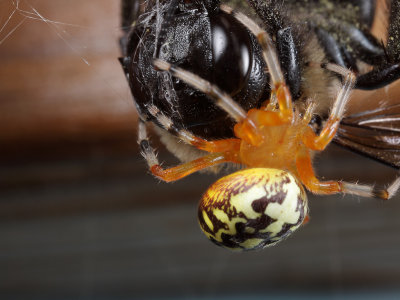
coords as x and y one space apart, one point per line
279 143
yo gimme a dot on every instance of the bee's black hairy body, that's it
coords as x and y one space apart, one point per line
197 36
210 43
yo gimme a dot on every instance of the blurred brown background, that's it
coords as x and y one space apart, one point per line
80 217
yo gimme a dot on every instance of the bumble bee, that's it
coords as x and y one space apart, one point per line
265 89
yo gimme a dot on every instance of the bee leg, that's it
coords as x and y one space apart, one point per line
308 178
180 171
379 77
334 51
389 70
288 57
328 132
277 25
187 137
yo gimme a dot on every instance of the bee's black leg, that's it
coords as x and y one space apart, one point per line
366 10
334 52
288 57
385 71
288 50
378 77
389 69
363 45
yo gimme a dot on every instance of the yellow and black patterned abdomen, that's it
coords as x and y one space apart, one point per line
252 209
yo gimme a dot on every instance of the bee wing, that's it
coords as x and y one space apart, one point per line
374 133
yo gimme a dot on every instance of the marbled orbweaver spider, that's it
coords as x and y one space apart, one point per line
262 204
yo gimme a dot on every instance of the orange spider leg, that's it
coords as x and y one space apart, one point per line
274 118
183 170
285 101
279 91
308 114
221 99
244 129
189 138
215 146
178 172
279 87
307 176
319 142
314 142
306 219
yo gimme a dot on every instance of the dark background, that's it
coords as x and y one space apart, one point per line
81 218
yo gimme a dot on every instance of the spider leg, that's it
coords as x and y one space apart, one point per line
308 178
183 170
187 137
328 132
146 149
221 99
313 184
279 88
247 123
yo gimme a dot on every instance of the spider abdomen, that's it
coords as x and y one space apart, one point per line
252 208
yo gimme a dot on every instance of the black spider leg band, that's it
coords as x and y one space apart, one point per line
145 146
287 48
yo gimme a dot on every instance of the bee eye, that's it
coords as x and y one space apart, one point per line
252 209
232 53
